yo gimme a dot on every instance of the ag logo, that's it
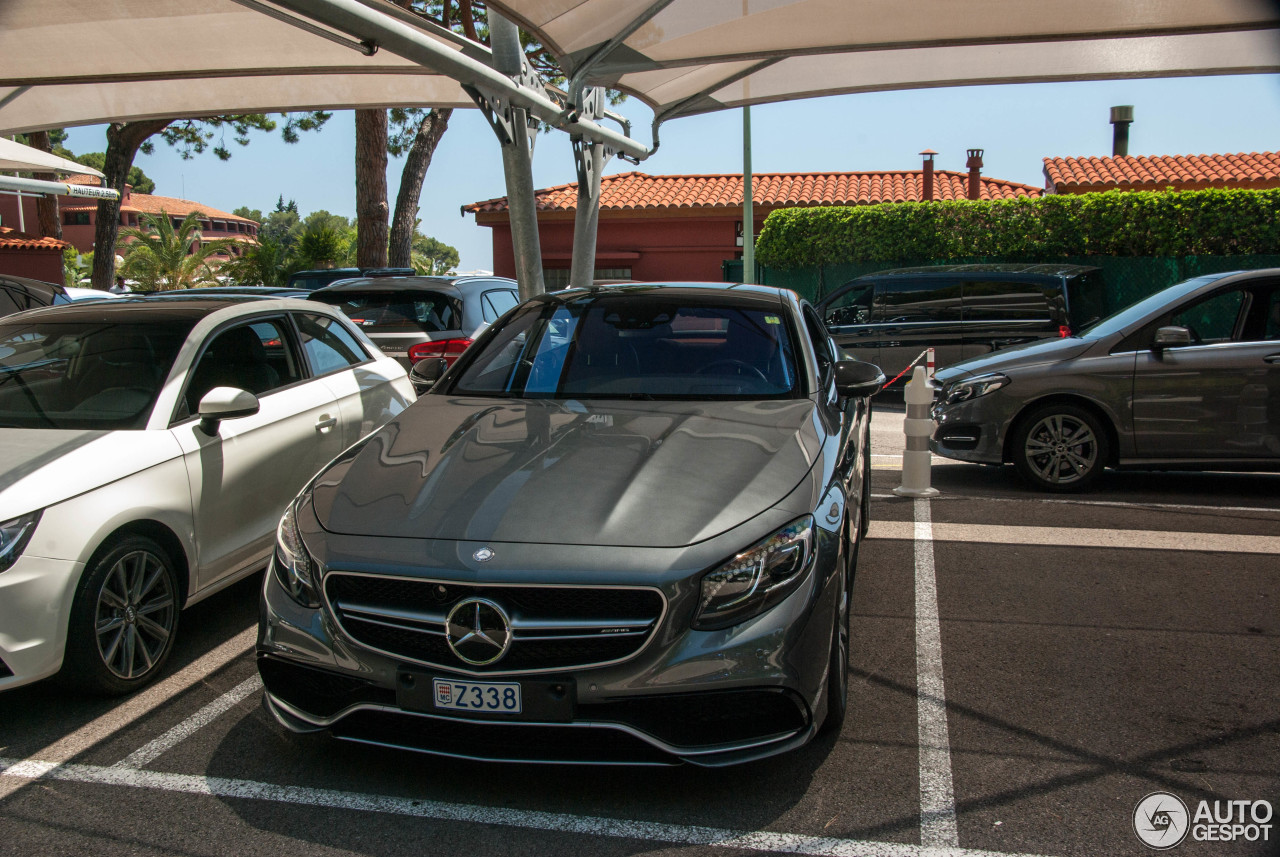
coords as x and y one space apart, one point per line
1161 820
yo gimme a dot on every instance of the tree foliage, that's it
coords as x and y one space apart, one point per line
163 258
1115 223
139 180
433 257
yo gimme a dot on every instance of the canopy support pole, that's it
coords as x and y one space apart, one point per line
589 158
516 138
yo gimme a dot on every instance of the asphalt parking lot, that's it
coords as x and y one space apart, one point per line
1025 670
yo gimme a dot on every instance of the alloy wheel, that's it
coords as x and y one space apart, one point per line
1061 449
135 615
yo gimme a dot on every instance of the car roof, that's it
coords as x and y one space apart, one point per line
160 307
746 292
455 286
998 269
37 286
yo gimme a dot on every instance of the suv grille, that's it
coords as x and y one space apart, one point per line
552 627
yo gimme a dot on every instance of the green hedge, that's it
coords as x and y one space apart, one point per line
1186 223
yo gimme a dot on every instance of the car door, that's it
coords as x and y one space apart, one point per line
1218 398
364 389
916 314
243 474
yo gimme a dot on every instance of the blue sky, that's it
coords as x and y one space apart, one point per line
1016 125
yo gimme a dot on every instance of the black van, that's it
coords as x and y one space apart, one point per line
889 317
321 277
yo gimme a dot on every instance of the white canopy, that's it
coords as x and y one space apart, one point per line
78 62
693 56
17 157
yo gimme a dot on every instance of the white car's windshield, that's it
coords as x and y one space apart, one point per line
83 375
645 346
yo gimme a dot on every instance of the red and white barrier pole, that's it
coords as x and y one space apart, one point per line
929 364
918 426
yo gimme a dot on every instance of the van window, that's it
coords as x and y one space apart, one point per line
1087 300
1002 300
901 301
851 307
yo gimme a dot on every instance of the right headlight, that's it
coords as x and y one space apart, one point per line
756 579
14 535
294 566
972 388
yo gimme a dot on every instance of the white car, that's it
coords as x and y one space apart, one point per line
148 447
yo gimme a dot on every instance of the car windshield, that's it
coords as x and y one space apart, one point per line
1133 314
84 375
637 346
406 311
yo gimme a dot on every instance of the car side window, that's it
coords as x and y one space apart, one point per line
917 301
328 345
851 307
821 342
7 302
1271 328
1005 301
256 357
1212 320
495 303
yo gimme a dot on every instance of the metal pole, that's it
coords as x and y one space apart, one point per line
586 221
517 164
748 208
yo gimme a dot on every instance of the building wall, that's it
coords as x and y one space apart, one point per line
40 264
683 245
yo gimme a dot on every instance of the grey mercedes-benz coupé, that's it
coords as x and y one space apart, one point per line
623 528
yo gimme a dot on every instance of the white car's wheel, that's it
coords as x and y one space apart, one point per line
124 618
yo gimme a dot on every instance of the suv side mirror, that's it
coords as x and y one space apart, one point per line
1171 337
426 372
225 403
855 379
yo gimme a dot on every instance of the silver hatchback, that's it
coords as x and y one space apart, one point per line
1187 378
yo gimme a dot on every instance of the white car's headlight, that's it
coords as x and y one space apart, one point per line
14 535
972 388
756 579
295 569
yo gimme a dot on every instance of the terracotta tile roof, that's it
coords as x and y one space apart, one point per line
636 191
11 239
145 203
1246 169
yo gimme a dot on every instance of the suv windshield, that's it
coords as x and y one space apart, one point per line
85 375
405 311
650 346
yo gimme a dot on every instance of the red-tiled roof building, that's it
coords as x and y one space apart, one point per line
1256 170
23 255
684 227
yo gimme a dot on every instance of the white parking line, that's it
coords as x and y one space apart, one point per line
937 796
646 831
1136 504
192 724
1082 537
133 708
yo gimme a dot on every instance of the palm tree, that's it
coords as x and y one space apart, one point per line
323 246
161 258
267 264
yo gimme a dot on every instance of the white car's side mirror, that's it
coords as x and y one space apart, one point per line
225 403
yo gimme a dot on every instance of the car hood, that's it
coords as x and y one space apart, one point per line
1018 356
41 467
639 474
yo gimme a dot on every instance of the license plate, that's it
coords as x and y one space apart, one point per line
484 696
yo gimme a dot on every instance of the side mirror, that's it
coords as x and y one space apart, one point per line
225 403
855 379
1171 337
426 372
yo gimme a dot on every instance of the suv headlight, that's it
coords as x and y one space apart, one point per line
756 579
14 535
295 569
972 388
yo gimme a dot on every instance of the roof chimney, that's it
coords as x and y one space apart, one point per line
1121 118
974 164
926 191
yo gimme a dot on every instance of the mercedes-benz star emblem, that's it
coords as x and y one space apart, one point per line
478 631
482 555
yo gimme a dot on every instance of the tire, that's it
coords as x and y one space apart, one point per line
864 517
123 620
1060 448
838 669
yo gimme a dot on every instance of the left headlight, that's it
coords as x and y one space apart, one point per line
756 579
294 566
14 535
972 388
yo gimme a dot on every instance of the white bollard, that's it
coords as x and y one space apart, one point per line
917 427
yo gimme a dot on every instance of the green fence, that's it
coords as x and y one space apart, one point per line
1128 278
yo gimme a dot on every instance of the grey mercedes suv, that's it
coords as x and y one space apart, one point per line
622 528
1188 378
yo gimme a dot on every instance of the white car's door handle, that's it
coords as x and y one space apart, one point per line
325 423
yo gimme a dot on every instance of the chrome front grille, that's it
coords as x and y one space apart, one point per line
553 627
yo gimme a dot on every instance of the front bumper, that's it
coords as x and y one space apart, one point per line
972 430
704 697
35 605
